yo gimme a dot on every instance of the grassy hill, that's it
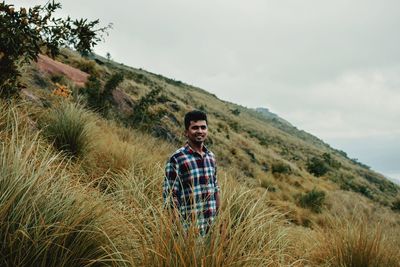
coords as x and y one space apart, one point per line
82 169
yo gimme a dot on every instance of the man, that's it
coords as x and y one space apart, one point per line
190 186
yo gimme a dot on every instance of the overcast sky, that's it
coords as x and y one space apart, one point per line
331 68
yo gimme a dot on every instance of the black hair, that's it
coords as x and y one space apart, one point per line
194 115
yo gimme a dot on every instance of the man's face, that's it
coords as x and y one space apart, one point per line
197 131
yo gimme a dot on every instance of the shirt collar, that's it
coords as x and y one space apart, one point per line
189 149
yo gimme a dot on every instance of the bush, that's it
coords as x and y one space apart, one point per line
235 111
112 84
313 200
358 188
331 161
281 168
92 91
396 205
142 117
68 129
139 78
317 166
97 98
88 66
58 78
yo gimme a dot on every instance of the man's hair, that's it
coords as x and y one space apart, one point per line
194 115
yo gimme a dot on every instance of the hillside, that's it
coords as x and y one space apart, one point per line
261 149
288 197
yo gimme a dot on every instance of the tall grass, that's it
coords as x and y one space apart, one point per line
44 219
355 243
68 127
247 232
51 214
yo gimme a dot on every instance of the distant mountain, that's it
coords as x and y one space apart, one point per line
269 115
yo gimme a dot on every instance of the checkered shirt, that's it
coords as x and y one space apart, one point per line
191 186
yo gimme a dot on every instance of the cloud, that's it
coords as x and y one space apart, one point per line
356 104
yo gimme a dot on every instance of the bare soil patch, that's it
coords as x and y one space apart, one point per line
50 66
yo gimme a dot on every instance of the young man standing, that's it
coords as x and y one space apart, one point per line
190 186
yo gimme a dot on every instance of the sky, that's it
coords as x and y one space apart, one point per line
331 68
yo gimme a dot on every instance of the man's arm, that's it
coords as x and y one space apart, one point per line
172 187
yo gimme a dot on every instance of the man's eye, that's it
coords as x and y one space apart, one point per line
203 127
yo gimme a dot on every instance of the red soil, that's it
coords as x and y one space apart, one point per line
51 66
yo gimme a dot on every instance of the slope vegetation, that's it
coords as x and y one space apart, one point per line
82 169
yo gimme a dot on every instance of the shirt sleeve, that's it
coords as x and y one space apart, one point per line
172 184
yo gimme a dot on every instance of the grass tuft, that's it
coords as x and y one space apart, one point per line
44 219
69 129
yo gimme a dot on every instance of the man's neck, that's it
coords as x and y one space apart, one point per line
197 147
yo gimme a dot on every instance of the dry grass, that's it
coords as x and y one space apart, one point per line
118 150
106 209
247 233
44 220
356 242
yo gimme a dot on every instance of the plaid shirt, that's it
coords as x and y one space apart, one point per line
191 186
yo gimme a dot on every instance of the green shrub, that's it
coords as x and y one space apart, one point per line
235 111
355 161
281 167
112 83
317 166
68 129
142 117
92 92
396 205
139 78
58 78
351 185
99 99
313 200
331 161
88 66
